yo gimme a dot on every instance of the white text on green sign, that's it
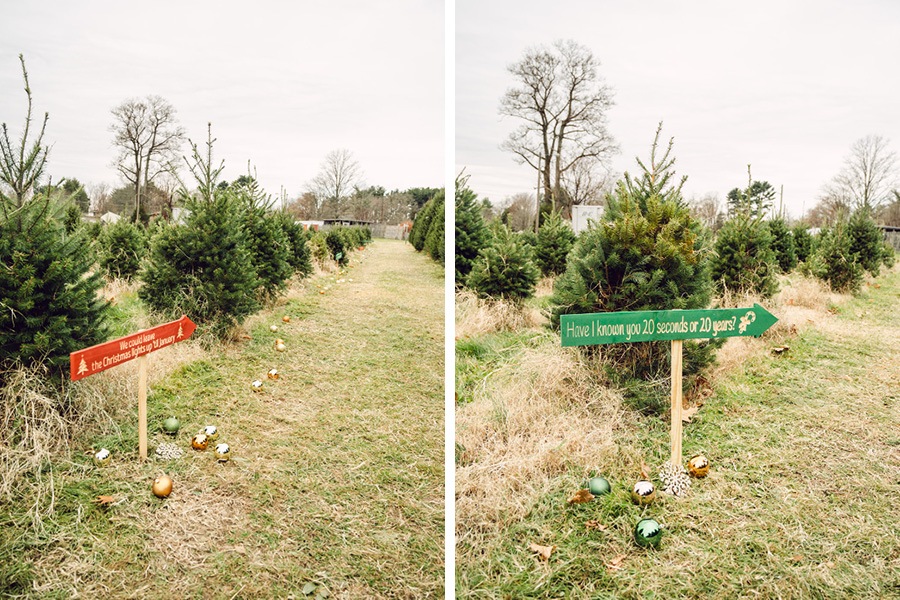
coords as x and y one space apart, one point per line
652 325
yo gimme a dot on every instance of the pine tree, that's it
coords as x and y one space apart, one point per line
421 225
833 261
300 255
647 253
783 244
471 232
48 294
555 239
434 239
866 242
744 261
122 247
803 242
504 269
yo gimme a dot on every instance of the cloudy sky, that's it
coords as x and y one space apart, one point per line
283 83
784 86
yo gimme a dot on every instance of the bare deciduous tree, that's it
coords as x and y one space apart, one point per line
868 177
338 176
148 138
586 183
520 211
708 210
563 103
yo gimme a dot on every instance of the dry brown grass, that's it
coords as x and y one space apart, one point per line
476 316
536 418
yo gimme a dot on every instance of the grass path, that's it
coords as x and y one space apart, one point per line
336 484
799 504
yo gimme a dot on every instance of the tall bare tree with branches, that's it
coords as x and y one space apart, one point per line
562 103
148 138
868 177
339 175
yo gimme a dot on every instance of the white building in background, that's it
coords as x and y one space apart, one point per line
109 218
582 214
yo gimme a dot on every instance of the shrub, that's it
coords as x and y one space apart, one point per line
318 248
122 247
744 261
504 269
555 239
783 245
647 253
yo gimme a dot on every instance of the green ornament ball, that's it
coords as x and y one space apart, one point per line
647 532
599 486
171 425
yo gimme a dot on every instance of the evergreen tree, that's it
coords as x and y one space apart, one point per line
744 261
122 247
471 232
48 294
647 253
866 242
300 255
783 244
803 242
555 239
434 239
338 248
50 297
421 224
833 261
504 269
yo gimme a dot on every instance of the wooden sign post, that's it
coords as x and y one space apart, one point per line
675 325
87 362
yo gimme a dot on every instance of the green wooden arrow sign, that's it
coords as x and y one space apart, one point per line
651 325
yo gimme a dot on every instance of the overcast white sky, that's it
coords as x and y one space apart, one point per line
283 83
786 86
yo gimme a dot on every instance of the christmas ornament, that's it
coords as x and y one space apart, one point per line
223 452
162 486
643 492
599 486
171 425
102 457
272 374
211 432
286 319
273 328
168 451
199 442
256 385
647 532
674 479
698 466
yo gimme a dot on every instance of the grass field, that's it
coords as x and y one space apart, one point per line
805 452
336 483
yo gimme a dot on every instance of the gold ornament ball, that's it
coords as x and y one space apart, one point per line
101 458
199 442
256 385
280 347
223 452
698 466
286 319
273 374
211 432
643 492
273 328
162 486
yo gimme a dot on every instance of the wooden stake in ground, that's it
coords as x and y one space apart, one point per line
675 325
83 363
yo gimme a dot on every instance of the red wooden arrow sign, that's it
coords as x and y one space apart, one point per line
83 363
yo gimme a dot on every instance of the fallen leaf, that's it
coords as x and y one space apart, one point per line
616 563
309 588
688 413
581 496
543 552
797 558
645 470
105 500
595 525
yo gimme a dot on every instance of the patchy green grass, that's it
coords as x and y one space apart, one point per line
799 503
336 480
